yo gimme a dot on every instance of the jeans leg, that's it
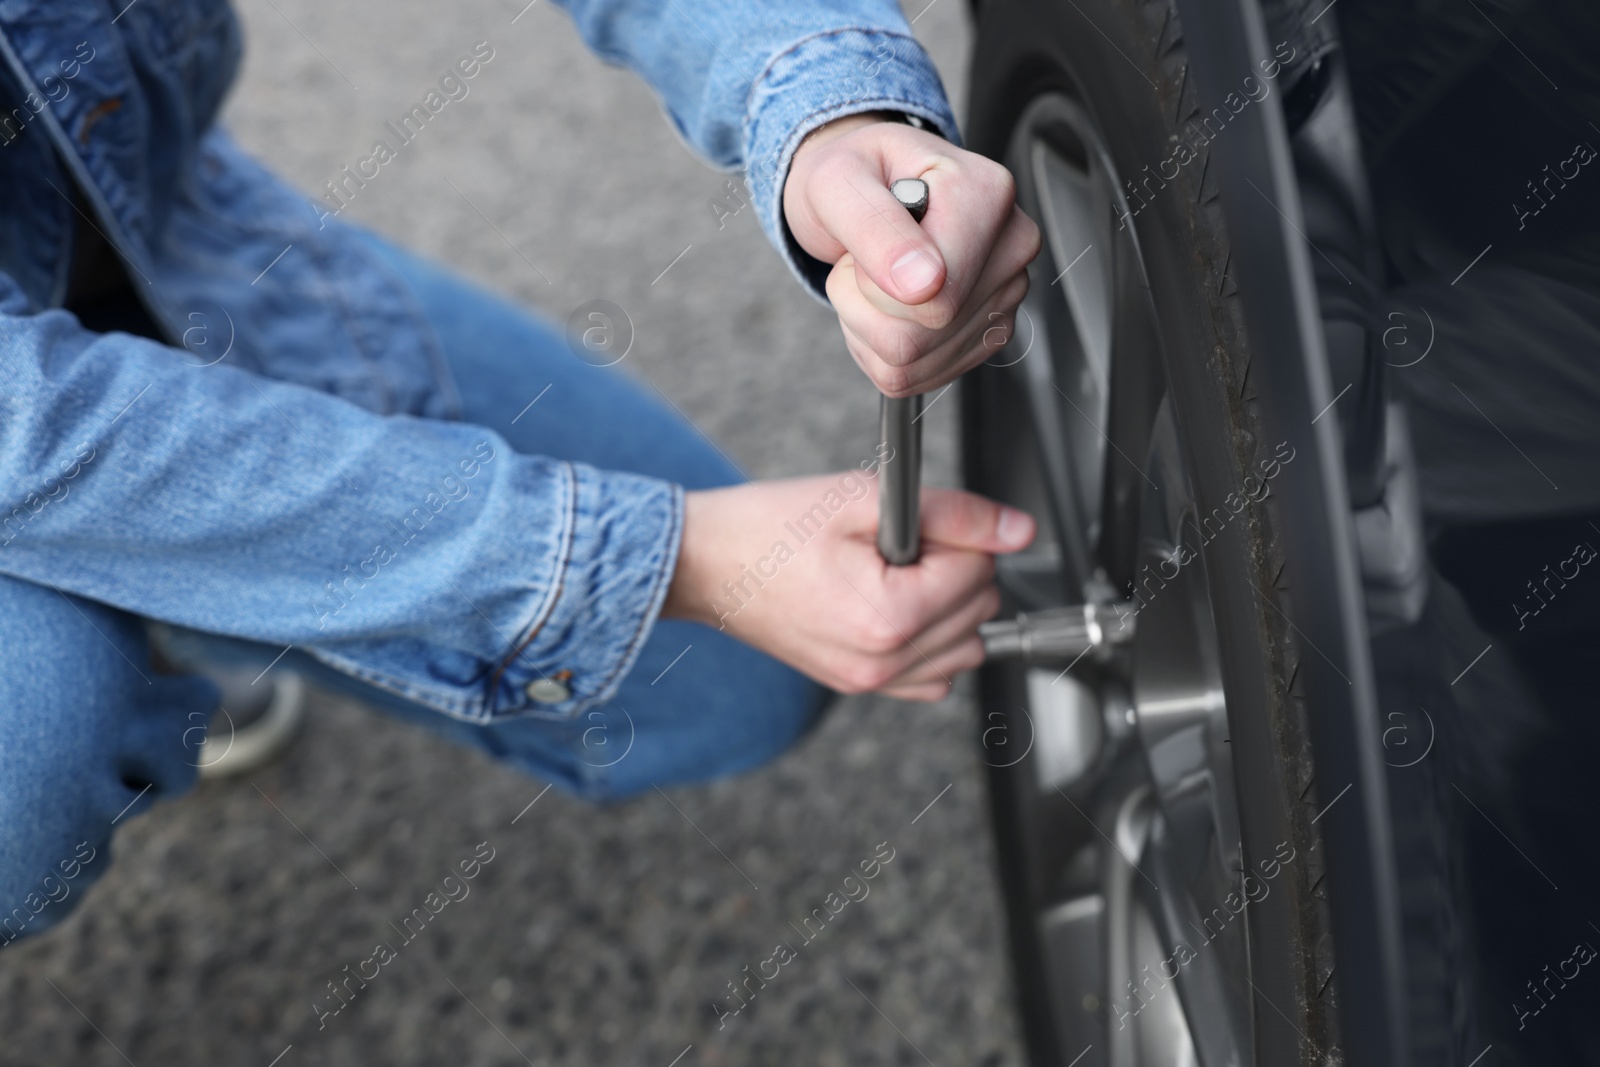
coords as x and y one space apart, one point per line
698 704
90 735
517 376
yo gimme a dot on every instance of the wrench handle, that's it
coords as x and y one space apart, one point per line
899 479
900 439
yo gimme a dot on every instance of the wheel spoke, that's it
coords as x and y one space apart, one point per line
1138 385
1134 837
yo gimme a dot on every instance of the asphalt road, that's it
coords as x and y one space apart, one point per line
595 936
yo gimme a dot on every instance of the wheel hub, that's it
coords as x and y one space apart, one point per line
1142 958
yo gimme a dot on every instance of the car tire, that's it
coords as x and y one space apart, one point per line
1102 87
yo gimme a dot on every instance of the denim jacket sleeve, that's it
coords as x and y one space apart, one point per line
744 81
421 554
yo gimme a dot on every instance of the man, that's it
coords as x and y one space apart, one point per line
348 486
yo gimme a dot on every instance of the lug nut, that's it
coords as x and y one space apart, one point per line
1058 633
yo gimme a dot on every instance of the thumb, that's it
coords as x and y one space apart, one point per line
887 244
965 520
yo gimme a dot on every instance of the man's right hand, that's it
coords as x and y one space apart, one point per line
792 568
919 305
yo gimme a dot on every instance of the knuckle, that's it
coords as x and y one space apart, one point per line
868 675
1002 325
851 681
895 381
969 656
940 312
889 634
833 284
895 345
1002 185
1017 288
828 164
986 571
1033 238
849 684
977 584
875 635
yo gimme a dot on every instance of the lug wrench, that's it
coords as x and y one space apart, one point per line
1056 634
900 438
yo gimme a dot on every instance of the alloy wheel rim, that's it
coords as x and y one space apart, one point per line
1136 743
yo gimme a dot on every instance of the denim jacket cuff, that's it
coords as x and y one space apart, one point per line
821 78
623 534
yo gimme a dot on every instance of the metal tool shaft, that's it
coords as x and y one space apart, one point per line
899 479
900 439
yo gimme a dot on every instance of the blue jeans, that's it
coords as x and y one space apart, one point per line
91 734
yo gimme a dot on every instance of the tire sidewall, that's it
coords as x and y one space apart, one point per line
1024 50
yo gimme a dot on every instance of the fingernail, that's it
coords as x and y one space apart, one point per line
1015 528
914 271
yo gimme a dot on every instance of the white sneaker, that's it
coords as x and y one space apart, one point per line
255 720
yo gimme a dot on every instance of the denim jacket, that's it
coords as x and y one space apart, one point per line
285 468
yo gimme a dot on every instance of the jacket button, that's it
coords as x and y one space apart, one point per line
547 691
